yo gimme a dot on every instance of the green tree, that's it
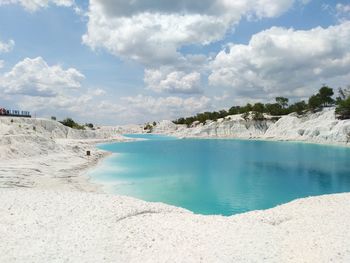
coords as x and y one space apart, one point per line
234 110
282 101
246 108
343 109
258 107
326 94
189 121
273 109
343 94
298 107
180 121
223 113
315 102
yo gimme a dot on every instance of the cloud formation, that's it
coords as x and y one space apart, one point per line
34 5
6 46
35 77
165 107
284 61
34 85
172 82
342 12
152 31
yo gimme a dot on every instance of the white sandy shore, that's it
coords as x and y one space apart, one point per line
59 221
49 156
59 226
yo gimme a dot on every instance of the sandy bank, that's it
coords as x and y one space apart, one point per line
46 226
44 154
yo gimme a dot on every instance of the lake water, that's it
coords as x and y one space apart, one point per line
222 176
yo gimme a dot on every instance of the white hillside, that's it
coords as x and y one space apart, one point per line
20 137
320 127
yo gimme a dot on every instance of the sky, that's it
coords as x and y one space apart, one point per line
117 62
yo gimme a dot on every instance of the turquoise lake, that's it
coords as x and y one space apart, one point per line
222 176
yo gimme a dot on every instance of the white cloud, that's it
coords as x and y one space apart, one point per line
284 61
52 90
34 5
160 80
35 77
223 97
2 64
138 109
343 12
6 47
153 31
98 92
165 107
81 104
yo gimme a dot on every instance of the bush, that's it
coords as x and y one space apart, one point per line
148 127
258 116
246 116
343 109
89 125
72 124
298 107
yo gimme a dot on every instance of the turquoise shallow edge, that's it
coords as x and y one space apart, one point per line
225 177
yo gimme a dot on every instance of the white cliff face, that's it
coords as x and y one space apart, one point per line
320 127
40 153
48 128
165 127
25 137
123 129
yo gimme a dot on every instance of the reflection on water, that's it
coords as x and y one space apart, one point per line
223 176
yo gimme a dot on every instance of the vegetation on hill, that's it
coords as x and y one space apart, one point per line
343 104
72 124
324 98
69 122
148 127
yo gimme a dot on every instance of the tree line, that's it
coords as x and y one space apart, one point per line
281 106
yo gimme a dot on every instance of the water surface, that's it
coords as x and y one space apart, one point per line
223 176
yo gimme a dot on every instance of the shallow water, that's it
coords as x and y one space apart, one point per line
223 176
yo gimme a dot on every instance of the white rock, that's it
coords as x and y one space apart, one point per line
320 127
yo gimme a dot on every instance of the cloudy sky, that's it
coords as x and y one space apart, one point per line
119 61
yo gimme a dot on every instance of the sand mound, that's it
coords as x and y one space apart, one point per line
46 226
